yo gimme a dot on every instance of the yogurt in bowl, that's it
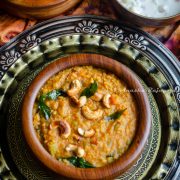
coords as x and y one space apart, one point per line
152 8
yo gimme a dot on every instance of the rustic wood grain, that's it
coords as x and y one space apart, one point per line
41 9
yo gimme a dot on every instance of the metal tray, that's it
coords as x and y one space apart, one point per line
27 54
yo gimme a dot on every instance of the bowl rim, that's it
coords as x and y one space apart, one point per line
139 17
39 5
111 170
146 17
38 10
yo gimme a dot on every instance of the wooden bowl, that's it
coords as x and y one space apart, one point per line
144 118
38 9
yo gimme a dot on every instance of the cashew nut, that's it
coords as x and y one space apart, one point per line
97 96
71 147
65 129
106 100
80 152
81 131
75 87
81 101
73 92
75 99
88 133
89 114
76 84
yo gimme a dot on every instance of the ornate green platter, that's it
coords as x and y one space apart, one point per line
25 56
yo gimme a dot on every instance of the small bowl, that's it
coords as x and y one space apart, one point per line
37 9
144 118
140 20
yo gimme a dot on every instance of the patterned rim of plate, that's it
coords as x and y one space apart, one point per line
102 27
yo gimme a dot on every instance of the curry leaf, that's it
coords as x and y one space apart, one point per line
115 115
54 94
44 110
79 162
73 160
85 164
89 91
42 98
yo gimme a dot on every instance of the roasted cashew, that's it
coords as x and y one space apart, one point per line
97 96
76 84
81 101
73 92
71 147
81 131
106 100
65 129
87 133
75 87
89 114
78 150
75 99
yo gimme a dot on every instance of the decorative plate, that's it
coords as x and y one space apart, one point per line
27 54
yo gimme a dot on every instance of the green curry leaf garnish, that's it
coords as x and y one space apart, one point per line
42 98
90 91
52 95
44 110
115 115
79 162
